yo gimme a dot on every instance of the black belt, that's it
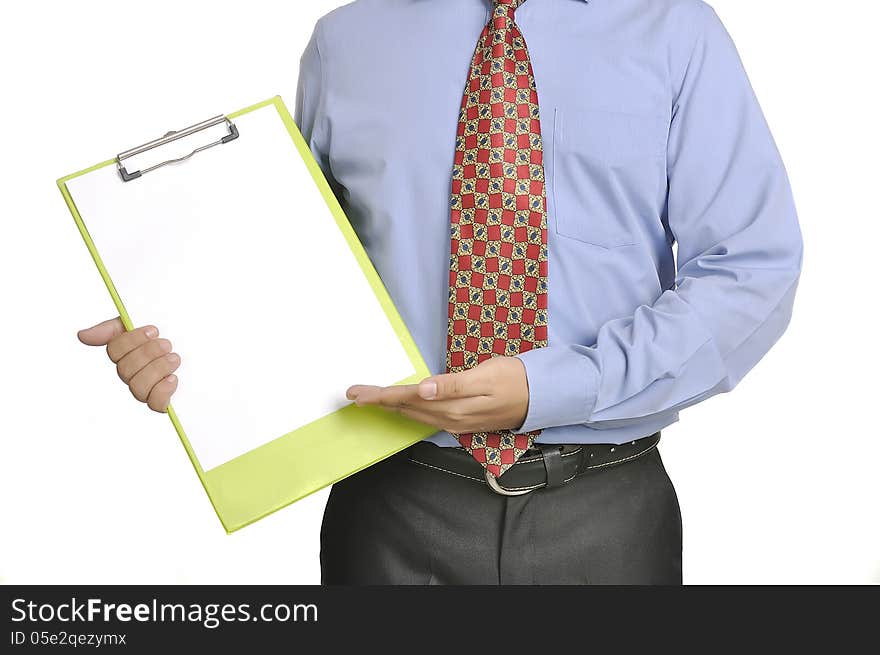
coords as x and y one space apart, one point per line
542 466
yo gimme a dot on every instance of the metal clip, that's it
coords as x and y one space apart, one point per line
170 137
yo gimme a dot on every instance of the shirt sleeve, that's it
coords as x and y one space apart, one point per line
309 111
730 209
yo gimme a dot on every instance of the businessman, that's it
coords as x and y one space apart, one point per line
521 173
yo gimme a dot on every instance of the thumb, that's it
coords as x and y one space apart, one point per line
102 333
447 386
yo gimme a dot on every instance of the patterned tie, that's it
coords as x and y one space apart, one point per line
498 268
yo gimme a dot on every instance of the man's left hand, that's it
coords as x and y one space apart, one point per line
489 397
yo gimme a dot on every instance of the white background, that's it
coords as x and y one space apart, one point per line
778 480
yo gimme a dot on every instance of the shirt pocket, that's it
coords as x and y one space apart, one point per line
607 166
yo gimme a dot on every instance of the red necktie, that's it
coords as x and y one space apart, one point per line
498 268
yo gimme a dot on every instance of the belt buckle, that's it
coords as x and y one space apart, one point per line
502 491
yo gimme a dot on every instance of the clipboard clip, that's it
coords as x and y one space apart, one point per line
170 137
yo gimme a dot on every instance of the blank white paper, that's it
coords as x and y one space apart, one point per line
236 257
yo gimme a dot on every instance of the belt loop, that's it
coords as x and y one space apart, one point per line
552 464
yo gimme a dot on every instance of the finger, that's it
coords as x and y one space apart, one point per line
128 366
102 333
120 346
448 386
390 397
356 390
411 406
160 395
428 418
456 415
407 396
464 415
144 380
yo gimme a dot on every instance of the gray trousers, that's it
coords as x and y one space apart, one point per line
400 523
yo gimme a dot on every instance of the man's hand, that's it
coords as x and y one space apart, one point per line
492 396
143 361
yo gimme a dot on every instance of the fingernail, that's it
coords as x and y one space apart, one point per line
151 332
428 390
171 378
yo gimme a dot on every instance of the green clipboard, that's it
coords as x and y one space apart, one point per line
287 468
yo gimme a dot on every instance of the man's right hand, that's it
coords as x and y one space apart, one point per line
145 363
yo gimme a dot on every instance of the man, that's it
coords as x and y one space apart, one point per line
525 230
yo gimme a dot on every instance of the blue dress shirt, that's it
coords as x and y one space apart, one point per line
674 246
